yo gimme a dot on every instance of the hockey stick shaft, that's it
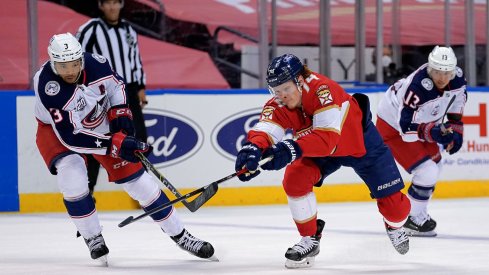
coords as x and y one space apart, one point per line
443 129
213 187
210 192
149 166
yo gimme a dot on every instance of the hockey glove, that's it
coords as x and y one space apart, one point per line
124 146
248 157
432 133
283 153
120 119
458 137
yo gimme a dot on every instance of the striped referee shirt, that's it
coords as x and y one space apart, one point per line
118 44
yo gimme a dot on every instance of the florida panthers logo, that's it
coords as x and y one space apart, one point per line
324 96
267 113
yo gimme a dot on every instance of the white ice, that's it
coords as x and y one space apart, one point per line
251 240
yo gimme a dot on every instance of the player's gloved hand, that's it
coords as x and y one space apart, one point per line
120 119
457 128
441 133
248 157
283 153
124 147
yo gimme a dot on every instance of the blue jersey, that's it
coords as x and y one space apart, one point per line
415 99
78 112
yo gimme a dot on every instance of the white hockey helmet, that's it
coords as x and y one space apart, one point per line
442 59
64 48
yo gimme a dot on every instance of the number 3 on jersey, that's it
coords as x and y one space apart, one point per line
411 100
56 115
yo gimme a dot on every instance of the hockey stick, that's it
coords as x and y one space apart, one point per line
443 129
192 206
207 191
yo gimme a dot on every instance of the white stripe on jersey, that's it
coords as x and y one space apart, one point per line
331 118
275 131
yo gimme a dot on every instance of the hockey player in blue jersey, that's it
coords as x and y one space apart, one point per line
410 119
81 109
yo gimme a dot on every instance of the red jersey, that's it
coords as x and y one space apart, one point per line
329 122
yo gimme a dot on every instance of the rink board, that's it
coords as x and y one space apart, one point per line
196 135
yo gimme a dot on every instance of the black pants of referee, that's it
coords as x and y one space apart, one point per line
93 166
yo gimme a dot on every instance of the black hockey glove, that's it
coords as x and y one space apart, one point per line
457 127
120 119
248 157
432 133
283 153
124 147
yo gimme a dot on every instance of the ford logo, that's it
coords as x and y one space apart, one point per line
230 134
173 136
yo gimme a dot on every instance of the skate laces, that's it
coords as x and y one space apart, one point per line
95 242
305 245
420 219
397 235
189 242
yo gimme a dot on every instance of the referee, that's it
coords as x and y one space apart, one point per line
115 39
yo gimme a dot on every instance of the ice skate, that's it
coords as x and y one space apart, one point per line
399 238
420 226
195 246
302 254
98 249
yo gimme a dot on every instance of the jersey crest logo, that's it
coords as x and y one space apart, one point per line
267 113
99 58
324 96
97 115
52 88
427 84
436 110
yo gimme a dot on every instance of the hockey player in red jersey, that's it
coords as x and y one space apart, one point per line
331 129
410 121
81 109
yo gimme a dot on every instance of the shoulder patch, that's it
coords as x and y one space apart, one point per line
324 95
427 83
99 58
267 113
460 73
52 88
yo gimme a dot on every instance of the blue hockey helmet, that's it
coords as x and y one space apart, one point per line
282 69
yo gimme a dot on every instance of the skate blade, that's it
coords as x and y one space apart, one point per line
213 258
103 260
304 263
414 233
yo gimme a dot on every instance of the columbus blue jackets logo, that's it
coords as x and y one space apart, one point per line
96 116
52 88
173 136
436 110
230 134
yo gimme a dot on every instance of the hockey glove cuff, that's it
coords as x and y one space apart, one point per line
120 119
248 157
283 153
458 137
125 147
441 133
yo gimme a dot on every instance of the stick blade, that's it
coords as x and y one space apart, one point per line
127 221
206 195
